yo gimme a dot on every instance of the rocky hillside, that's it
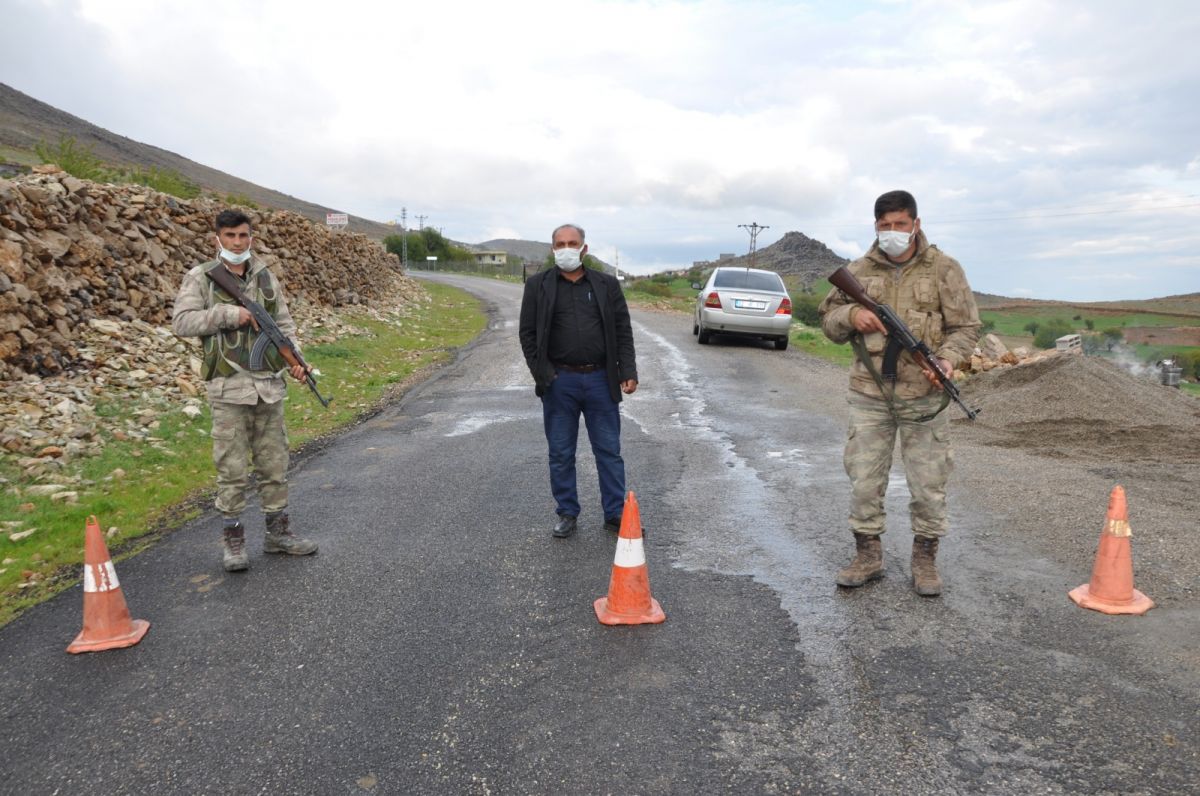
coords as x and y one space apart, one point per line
25 121
72 251
795 254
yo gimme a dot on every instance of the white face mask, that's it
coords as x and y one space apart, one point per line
894 243
567 258
231 258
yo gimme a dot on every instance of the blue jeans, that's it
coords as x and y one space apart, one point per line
568 396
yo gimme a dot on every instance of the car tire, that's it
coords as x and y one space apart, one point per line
702 335
695 328
781 343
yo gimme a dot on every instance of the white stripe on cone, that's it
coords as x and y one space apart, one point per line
100 577
629 553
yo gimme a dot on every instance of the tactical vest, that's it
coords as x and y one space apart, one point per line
228 351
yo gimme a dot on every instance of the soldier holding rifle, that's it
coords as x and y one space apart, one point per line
217 302
899 383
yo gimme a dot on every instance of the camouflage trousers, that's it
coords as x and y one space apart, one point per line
924 449
250 433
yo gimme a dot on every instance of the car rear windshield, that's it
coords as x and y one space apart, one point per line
749 280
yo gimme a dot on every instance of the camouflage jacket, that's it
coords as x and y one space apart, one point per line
929 293
203 310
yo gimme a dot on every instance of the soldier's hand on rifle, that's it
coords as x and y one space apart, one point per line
947 368
866 321
246 317
299 371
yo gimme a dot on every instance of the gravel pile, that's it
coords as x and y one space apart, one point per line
1083 407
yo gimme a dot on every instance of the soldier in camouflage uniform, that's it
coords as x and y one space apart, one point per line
247 405
929 292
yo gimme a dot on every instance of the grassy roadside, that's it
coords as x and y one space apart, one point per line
142 487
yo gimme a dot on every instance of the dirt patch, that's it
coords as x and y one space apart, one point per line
1158 335
1076 407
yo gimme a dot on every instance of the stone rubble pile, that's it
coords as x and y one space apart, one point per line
74 251
991 353
88 275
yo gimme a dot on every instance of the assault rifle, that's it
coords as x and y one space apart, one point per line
899 335
269 331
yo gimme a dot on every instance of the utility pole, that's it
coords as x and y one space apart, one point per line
420 222
753 228
404 239
616 263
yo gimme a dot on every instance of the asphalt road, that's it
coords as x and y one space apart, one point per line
443 642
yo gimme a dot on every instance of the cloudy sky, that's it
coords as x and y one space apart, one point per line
1053 147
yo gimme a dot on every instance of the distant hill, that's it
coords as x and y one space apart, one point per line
795 254
25 121
1184 305
531 251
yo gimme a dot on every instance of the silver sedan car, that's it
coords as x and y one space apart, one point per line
746 302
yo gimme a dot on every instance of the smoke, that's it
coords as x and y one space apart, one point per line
1125 358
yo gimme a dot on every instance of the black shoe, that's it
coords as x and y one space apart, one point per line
565 527
612 524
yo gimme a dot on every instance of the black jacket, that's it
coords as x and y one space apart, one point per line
537 311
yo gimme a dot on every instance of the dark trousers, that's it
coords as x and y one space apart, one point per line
568 396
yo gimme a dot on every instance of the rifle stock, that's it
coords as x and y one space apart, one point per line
268 329
846 282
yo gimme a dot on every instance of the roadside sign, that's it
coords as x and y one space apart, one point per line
336 219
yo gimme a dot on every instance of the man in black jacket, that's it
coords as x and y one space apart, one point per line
578 342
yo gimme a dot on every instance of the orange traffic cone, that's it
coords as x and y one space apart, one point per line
1111 589
629 601
106 622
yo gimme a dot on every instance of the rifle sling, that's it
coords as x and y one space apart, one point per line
889 396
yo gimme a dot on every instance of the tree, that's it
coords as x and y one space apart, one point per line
1112 335
1032 327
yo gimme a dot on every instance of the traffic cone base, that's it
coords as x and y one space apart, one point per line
653 616
138 629
1110 590
106 622
1138 604
629 601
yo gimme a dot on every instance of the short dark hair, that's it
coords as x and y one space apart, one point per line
576 227
892 201
232 218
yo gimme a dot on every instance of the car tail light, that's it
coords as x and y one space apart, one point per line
785 307
713 300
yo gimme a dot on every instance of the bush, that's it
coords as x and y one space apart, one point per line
988 326
78 161
1112 335
651 287
81 161
1051 331
804 309
241 200
166 181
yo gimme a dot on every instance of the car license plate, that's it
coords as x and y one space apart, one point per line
749 305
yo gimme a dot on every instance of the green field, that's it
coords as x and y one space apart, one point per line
1012 322
143 487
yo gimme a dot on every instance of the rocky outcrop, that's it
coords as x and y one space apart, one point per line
795 253
72 251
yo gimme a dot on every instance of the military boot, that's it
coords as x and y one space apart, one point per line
924 571
233 541
280 540
867 564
